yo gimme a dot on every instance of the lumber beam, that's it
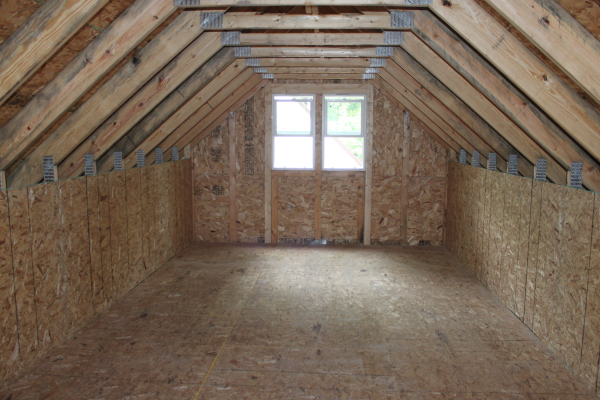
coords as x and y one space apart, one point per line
230 79
559 36
282 3
318 76
524 69
316 70
144 101
127 81
114 43
238 21
262 52
473 98
311 39
27 49
447 114
170 106
315 62
505 96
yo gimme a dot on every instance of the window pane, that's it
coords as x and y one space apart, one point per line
343 153
344 118
293 152
293 117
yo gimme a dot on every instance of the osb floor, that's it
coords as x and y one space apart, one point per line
260 322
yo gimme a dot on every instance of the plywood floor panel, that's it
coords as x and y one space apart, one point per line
337 330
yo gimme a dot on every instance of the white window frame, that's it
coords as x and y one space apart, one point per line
363 128
274 129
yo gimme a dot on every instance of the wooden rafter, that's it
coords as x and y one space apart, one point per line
40 37
114 43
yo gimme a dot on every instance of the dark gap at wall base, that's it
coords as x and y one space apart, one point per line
536 246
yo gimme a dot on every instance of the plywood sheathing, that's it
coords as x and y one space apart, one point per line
297 193
211 208
80 241
250 197
211 155
386 216
387 137
543 268
339 208
425 210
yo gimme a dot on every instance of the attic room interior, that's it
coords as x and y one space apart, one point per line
300 199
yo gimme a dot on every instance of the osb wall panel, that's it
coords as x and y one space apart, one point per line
388 135
339 207
479 212
548 272
573 276
58 247
160 199
299 194
76 253
49 277
426 156
250 199
150 246
9 341
386 214
211 155
426 210
211 203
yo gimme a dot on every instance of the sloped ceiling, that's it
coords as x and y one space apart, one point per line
98 76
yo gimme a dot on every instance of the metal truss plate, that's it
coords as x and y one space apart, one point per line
268 76
492 161
211 20
174 153
462 158
384 51
159 155
260 70
575 178
48 169
476 159
372 71
368 76
230 38
418 2
540 169
252 62
402 19
118 157
242 51
141 160
378 62
186 3
513 164
393 37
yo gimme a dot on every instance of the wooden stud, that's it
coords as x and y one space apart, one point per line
239 21
275 210
316 70
318 164
405 167
318 76
360 220
3 185
187 152
57 96
153 92
315 62
39 38
333 52
369 164
268 162
311 39
232 180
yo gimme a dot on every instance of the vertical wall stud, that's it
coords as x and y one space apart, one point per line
141 160
159 155
513 164
405 167
369 163
491 162
90 164
575 179
318 166
118 159
187 152
49 171
174 154
476 159
540 169
462 158
3 184
232 180
268 163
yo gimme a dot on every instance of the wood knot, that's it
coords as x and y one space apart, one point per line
446 3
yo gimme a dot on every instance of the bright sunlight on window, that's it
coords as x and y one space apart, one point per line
293 137
344 132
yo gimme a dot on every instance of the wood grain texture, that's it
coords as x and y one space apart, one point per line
567 334
211 215
549 257
387 137
48 267
479 210
95 248
137 269
81 73
299 221
41 36
250 202
9 335
426 156
386 212
160 202
20 236
76 253
150 219
339 208
118 233
211 155
425 210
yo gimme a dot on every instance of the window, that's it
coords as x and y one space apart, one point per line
293 136
343 132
